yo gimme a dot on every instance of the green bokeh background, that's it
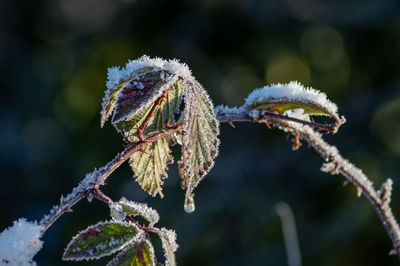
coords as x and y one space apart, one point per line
53 63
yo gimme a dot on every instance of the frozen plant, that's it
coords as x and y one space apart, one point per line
154 104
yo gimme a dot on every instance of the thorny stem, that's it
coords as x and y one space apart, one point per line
91 183
335 164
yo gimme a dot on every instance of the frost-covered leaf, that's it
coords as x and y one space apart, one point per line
168 240
114 89
101 239
150 166
164 112
124 207
137 85
284 97
140 92
137 100
141 253
200 142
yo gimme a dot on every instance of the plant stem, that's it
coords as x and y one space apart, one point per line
89 186
335 164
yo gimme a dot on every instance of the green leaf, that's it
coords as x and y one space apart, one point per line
200 142
150 166
141 253
101 239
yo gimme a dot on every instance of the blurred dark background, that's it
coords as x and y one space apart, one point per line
53 63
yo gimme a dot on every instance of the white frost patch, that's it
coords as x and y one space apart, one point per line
222 109
291 91
117 211
20 243
168 241
116 74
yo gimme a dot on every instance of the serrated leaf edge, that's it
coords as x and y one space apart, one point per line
150 101
191 186
143 239
142 209
139 235
168 242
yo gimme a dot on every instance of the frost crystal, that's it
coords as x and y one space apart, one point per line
125 207
116 74
222 109
292 91
20 243
168 241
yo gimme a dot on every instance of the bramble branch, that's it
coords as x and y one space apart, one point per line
334 164
89 186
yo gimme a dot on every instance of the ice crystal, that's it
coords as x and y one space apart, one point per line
117 74
168 241
124 207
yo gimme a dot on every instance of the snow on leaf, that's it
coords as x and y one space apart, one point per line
150 166
124 207
200 142
140 253
101 239
140 92
113 91
135 86
283 97
168 241
20 243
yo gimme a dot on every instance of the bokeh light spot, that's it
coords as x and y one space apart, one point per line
385 124
287 66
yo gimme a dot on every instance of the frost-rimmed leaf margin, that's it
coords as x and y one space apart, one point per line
118 77
168 241
124 111
150 167
293 95
125 257
200 142
119 210
79 255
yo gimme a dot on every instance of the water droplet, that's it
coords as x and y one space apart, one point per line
189 205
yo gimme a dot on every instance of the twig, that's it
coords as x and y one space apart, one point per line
289 233
334 164
91 183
